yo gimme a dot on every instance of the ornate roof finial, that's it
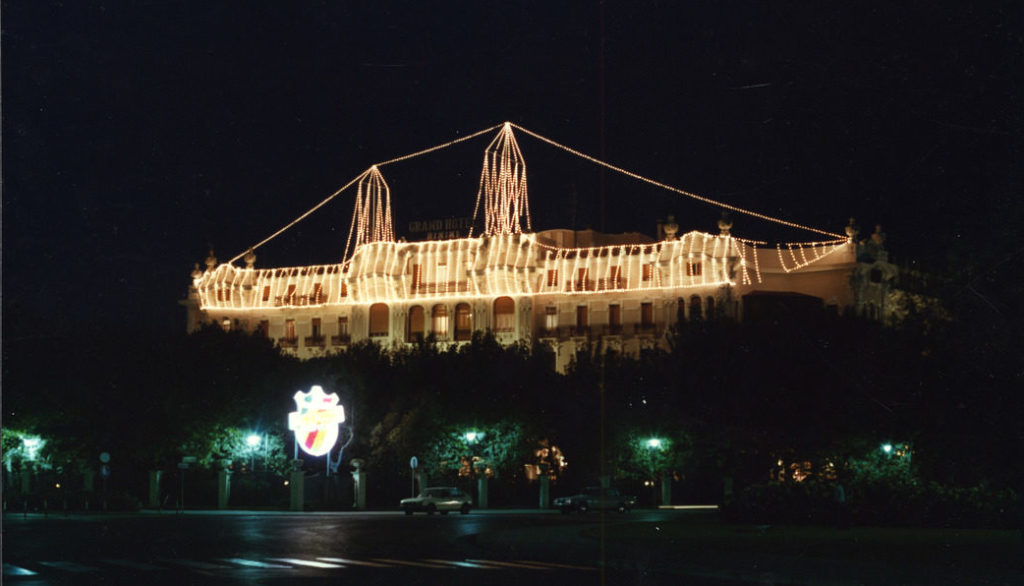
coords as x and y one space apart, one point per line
670 227
196 272
724 224
211 261
250 259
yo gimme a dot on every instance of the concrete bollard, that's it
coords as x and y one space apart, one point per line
358 485
223 488
545 491
297 486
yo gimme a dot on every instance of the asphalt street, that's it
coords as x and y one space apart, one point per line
496 547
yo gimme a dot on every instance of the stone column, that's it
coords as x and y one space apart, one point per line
666 489
545 491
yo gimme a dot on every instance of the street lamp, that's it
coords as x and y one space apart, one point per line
473 436
654 443
253 441
887 448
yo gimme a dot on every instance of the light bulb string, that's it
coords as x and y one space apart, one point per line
700 198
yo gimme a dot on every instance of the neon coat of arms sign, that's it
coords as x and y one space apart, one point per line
316 420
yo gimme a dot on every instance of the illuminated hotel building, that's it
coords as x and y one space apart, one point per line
563 287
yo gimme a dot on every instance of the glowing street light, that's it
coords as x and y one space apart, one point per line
473 436
253 440
654 443
887 448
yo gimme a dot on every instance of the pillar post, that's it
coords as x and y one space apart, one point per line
358 485
223 485
154 487
666 489
297 486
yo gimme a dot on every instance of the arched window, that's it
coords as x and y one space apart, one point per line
379 318
710 305
439 325
414 333
504 314
463 322
695 308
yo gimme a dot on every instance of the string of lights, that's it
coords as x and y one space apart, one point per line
700 198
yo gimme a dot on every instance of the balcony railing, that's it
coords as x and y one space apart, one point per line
613 330
314 341
340 340
288 342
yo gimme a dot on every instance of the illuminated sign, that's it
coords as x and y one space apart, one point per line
316 420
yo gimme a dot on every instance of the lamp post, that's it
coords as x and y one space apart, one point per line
654 445
253 441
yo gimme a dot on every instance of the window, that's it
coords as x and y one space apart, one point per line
581 319
615 277
551 318
504 314
318 294
264 328
344 289
266 293
290 297
581 279
647 315
614 319
416 324
463 322
316 327
552 277
289 329
648 272
440 321
695 307
693 268
417 278
342 337
379 317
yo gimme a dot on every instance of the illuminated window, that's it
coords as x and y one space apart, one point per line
379 317
266 293
504 314
615 277
614 319
581 279
416 324
290 297
648 272
552 277
695 307
318 294
551 318
463 322
417 278
693 268
439 325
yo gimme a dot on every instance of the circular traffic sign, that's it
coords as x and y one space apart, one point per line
414 463
104 457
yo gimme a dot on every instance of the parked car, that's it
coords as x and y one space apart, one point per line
591 498
438 499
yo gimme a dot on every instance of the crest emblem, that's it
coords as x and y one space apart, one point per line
315 421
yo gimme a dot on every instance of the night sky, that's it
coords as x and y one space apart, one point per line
137 135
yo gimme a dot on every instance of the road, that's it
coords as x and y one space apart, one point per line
496 547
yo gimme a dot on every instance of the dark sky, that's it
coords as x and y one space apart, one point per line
138 134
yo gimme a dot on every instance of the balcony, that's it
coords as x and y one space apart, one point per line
341 340
547 333
314 341
612 330
645 329
579 331
288 342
